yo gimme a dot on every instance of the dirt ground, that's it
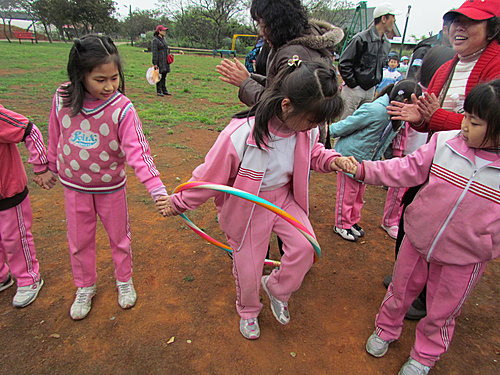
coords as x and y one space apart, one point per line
186 296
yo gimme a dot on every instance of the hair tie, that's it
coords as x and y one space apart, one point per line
401 92
294 61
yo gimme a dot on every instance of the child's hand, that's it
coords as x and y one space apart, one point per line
46 180
347 164
164 206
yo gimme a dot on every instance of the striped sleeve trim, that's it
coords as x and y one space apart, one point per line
12 120
146 156
461 182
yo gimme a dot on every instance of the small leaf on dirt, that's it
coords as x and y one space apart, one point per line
55 335
171 340
362 242
189 278
293 354
112 318
189 341
42 321
177 179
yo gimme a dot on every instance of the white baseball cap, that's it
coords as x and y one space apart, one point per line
384 9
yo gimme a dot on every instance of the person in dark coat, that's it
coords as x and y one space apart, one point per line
160 50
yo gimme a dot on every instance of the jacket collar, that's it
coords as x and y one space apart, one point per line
458 144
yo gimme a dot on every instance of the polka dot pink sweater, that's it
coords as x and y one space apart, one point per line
89 150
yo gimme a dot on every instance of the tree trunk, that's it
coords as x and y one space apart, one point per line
47 32
5 30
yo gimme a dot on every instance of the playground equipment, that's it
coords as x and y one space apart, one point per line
235 36
357 24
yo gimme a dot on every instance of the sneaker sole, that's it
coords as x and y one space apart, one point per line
250 338
32 299
264 286
375 355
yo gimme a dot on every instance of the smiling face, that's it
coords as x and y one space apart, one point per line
102 81
467 36
474 130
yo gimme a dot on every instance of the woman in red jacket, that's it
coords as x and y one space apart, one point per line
474 35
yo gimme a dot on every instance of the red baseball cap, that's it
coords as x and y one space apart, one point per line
161 28
478 10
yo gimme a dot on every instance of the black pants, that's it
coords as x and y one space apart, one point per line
161 86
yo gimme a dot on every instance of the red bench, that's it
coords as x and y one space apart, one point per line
25 35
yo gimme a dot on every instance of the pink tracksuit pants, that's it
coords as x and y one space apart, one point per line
81 215
447 289
349 201
248 261
17 249
392 206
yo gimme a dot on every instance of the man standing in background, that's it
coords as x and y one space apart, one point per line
362 61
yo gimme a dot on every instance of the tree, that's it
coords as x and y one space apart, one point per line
139 22
337 12
206 22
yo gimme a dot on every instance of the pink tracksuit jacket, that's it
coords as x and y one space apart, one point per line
453 219
235 160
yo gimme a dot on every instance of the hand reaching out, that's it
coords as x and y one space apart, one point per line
45 180
405 111
347 164
164 206
233 72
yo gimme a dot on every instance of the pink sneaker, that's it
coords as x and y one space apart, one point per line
391 231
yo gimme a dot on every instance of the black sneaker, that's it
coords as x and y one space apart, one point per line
346 234
167 93
357 230
7 283
417 310
160 94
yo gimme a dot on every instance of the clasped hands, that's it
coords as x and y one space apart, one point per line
347 164
45 180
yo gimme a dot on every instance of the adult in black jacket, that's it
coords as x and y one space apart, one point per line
362 61
160 50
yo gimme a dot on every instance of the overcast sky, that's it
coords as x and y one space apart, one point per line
425 15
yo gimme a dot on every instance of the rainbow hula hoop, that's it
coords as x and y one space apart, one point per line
252 198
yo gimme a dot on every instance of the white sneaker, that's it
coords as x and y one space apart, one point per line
26 294
83 302
376 346
391 231
126 294
413 367
249 328
279 308
346 234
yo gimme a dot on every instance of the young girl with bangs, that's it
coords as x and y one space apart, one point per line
269 154
93 130
452 229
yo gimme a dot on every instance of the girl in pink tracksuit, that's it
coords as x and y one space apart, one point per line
17 250
452 227
93 130
269 154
